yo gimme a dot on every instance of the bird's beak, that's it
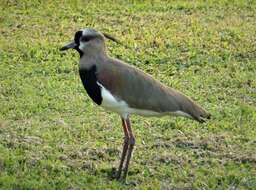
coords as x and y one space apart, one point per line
68 46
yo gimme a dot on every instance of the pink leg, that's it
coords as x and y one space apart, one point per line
131 143
125 148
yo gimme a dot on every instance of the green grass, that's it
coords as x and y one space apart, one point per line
53 137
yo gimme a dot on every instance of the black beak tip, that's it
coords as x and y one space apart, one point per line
71 45
63 48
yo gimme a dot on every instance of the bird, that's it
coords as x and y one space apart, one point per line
126 90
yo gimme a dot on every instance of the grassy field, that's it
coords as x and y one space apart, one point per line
53 137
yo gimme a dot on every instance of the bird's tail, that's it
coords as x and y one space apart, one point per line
199 113
194 110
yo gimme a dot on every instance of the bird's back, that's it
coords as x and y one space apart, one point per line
139 90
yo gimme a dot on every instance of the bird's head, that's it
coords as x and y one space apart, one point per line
88 41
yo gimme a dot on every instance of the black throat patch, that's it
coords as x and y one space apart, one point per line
89 80
78 35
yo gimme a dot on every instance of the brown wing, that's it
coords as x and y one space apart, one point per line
141 91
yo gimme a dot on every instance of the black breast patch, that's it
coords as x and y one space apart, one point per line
89 80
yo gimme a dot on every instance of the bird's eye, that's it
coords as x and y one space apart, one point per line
85 39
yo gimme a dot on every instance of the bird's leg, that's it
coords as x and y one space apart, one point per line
131 143
125 148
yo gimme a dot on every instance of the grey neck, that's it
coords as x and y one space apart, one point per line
89 59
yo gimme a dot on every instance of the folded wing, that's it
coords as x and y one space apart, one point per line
139 90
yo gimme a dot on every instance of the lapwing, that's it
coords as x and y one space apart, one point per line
126 90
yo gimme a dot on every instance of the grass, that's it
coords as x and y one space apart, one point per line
53 137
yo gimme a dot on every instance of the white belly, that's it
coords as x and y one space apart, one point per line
111 103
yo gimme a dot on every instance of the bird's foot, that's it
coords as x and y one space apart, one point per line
117 175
